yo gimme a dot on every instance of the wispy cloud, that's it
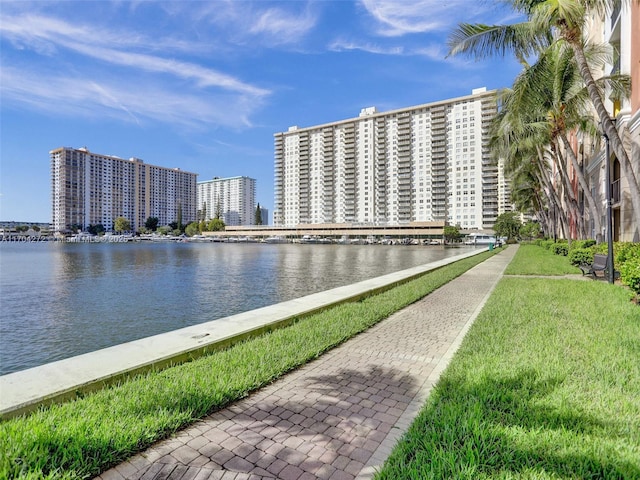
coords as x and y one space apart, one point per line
434 52
346 45
108 57
400 17
282 26
259 24
132 102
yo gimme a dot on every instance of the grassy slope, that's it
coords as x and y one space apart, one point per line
82 438
545 385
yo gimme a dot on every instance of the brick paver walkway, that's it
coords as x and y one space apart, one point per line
337 417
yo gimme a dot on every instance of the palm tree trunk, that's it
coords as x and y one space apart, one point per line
569 194
543 212
552 193
608 127
593 206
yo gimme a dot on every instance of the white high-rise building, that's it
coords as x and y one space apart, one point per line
93 189
233 200
424 163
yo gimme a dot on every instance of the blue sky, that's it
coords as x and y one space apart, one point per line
204 85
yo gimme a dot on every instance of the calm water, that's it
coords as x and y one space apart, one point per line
60 300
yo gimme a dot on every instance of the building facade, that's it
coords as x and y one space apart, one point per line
621 30
91 189
233 200
425 163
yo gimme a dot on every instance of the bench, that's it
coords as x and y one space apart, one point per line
600 264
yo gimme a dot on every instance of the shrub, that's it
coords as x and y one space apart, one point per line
624 251
630 274
546 244
579 256
581 244
560 248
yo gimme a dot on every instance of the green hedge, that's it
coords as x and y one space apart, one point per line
560 248
580 256
626 257
581 244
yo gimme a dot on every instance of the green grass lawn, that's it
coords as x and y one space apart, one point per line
546 385
82 438
535 260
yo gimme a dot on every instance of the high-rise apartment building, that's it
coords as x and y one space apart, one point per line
91 189
424 163
233 200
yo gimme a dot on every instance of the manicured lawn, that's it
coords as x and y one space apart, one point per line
82 438
535 260
546 385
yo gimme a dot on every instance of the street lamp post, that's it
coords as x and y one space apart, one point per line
607 167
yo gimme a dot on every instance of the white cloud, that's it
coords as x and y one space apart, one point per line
401 17
49 35
133 102
84 69
345 45
254 23
281 26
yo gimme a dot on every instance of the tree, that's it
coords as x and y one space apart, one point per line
152 223
258 217
530 230
451 233
180 226
122 225
217 214
507 225
216 225
96 229
547 100
202 213
549 20
192 229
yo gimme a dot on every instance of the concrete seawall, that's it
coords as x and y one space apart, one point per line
55 382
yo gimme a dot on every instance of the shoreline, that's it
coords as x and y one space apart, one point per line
26 390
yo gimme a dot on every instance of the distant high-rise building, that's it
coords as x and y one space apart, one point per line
424 163
233 200
91 189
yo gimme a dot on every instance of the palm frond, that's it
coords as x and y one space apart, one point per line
482 41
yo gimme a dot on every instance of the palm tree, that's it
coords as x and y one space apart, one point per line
517 139
566 19
521 134
554 87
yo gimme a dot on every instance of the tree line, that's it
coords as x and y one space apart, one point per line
551 98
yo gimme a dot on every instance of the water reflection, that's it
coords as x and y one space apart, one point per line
60 300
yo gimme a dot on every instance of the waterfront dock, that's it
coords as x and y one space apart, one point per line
339 416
